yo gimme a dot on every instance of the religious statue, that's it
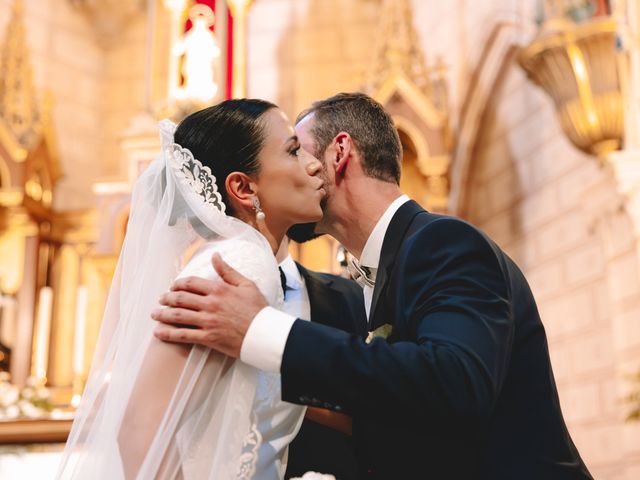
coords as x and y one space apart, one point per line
200 52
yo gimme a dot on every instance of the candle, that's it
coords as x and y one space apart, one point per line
79 335
44 324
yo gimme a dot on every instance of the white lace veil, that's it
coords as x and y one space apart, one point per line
174 203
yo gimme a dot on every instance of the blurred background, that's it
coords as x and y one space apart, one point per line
521 116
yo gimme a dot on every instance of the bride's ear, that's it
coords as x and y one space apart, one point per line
241 189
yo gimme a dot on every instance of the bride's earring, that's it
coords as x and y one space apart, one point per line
259 213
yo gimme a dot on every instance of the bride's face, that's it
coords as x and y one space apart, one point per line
290 182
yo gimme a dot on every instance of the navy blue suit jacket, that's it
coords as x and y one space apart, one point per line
339 303
463 387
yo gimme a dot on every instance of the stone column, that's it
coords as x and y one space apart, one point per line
239 11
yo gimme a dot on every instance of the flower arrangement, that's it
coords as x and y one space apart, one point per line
30 401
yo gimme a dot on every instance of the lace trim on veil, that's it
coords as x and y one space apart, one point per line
198 178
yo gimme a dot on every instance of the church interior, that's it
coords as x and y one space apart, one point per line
520 116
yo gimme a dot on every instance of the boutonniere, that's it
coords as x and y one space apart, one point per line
381 332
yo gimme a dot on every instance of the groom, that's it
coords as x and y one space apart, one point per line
455 381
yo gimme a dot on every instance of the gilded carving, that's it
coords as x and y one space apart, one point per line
415 95
19 113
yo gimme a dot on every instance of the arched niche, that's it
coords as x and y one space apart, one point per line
424 132
503 41
412 182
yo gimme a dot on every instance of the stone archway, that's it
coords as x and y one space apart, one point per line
413 183
424 133
504 39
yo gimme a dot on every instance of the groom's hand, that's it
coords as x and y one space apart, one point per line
216 314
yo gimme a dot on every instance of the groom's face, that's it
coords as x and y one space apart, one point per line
309 231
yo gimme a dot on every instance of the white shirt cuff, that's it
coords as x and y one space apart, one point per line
264 342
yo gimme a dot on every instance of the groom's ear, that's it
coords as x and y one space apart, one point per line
241 189
343 152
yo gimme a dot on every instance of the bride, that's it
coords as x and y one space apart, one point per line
231 179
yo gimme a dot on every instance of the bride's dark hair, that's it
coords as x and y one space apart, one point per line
226 137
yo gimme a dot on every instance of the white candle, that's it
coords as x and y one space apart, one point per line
44 324
79 335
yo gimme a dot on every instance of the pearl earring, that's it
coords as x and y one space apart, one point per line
259 213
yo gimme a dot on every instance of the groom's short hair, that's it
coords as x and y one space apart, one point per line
370 126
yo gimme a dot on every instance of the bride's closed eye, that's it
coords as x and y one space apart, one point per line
293 151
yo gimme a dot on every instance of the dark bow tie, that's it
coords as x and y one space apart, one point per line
283 281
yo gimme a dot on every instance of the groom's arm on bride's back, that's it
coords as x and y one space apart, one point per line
446 362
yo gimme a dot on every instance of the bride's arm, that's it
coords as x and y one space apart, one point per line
331 419
155 384
164 363
153 389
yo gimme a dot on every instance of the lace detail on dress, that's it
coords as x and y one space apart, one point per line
249 459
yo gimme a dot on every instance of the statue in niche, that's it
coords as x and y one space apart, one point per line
200 53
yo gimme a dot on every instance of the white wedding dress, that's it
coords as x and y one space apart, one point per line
154 410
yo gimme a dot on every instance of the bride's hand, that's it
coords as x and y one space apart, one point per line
328 418
216 314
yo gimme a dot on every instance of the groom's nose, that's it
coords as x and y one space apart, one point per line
313 166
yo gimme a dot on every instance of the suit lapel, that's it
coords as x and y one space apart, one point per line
393 238
320 296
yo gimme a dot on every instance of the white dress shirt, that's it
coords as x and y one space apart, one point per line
264 342
279 422
370 257
296 298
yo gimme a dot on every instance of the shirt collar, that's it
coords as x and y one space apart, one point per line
290 269
370 257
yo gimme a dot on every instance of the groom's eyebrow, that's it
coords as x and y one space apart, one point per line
293 138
